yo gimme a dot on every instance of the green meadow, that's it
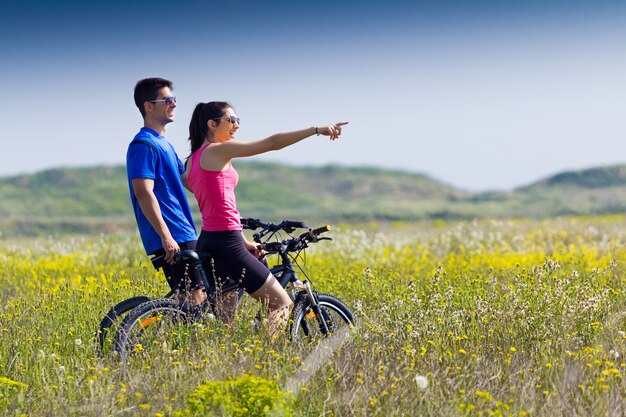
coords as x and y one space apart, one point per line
502 317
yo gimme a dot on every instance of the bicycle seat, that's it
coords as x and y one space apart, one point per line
204 255
187 255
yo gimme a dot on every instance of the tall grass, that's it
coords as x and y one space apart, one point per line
515 318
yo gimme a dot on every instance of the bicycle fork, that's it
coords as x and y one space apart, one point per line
315 306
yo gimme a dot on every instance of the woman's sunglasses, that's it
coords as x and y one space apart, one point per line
231 119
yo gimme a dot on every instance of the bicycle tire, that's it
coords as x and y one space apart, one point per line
113 316
152 324
304 323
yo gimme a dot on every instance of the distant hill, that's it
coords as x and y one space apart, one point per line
606 177
95 199
593 191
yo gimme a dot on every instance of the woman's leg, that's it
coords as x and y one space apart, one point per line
232 260
278 302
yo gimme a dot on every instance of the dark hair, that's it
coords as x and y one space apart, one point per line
148 89
201 115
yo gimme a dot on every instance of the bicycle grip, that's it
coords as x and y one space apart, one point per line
250 223
272 247
320 230
294 224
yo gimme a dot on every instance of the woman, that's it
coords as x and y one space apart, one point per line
213 179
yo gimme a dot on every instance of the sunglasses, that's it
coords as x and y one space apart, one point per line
231 119
166 100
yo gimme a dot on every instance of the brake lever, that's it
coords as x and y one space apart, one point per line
317 239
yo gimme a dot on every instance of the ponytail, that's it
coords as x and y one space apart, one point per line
197 128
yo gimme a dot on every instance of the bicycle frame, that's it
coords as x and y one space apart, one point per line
285 273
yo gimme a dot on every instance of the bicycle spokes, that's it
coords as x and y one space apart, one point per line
324 318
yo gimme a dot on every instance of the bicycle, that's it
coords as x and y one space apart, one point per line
116 313
314 314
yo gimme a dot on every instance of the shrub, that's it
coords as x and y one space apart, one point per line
245 396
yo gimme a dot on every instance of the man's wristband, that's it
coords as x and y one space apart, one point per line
317 132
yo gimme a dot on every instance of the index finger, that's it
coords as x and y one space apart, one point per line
341 124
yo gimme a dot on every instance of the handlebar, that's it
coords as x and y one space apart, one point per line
250 223
288 226
290 245
297 243
253 224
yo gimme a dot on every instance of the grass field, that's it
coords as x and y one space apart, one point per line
511 318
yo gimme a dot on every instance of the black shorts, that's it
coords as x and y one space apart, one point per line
179 271
231 260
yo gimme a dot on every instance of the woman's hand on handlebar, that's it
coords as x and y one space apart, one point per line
253 248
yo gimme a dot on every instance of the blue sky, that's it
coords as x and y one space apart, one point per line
482 95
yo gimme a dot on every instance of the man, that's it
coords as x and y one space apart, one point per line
156 180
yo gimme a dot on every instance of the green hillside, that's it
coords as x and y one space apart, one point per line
99 191
95 199
594 191
611 176
333 192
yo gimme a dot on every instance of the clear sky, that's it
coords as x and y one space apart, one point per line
482 95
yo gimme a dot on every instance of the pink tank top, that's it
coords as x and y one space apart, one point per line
215 194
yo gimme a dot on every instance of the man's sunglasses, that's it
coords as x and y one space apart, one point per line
166 100
231 119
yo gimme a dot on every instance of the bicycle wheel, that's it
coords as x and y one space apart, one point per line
114 317
304 322
158 324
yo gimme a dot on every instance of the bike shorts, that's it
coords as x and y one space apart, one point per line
180 272
232 261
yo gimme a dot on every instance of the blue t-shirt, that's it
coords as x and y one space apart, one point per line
157 160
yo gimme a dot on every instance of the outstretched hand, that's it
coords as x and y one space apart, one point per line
334 130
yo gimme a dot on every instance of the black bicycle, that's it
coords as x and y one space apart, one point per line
163 322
